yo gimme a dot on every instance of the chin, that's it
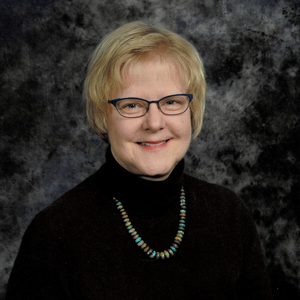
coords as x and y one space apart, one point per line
157 174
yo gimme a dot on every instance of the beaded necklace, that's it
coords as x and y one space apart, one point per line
139 241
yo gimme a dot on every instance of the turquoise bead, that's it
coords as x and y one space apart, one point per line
173 248
180 231
119 203
182 211
138 239
153 254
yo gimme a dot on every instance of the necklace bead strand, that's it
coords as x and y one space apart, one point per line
140 242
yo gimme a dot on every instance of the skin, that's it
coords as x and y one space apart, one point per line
151 80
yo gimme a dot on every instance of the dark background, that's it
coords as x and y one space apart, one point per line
250 140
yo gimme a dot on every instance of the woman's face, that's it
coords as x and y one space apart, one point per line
169 136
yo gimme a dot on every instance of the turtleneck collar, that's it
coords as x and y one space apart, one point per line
139 194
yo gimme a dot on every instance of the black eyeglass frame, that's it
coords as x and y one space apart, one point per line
115 101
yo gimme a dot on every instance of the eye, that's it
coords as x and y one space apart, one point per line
130 105
172 102
175 104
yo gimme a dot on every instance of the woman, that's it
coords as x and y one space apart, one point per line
139 228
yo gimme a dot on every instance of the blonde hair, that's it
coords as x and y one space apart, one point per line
131 44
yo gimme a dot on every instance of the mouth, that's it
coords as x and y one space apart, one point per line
152 144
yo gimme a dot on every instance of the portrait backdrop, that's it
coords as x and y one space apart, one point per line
250 141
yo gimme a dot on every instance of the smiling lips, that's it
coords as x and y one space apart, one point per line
152 144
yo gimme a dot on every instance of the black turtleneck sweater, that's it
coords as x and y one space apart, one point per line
79 248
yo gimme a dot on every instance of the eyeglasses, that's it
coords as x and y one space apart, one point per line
132 107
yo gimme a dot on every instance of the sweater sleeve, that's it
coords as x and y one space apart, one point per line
253 283
35 273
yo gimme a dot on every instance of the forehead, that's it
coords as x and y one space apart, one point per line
154 66
152 80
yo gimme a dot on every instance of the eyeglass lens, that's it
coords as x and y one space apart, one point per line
172 105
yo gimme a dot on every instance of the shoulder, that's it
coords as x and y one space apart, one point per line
80 205
221 210
216 200
210 191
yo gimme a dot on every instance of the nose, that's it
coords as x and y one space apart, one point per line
154 118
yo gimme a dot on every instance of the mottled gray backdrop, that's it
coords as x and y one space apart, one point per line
250 140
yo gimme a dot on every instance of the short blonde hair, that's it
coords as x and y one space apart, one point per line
130 44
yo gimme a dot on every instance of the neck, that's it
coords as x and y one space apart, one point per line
139 193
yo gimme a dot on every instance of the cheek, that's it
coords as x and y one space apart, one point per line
113 129
185 126
122 130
